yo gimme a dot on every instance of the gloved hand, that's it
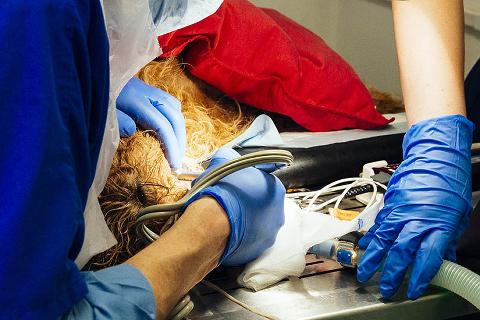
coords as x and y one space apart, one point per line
427 206
254 203
153 109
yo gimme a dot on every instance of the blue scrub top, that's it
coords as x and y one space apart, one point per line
53 106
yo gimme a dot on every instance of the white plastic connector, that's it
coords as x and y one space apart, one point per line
367 171
365 198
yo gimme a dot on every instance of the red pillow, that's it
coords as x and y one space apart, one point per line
264 59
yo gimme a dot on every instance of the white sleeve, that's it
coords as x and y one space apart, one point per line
133 28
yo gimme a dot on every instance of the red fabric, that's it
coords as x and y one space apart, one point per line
264 59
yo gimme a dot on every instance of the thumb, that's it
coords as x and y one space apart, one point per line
126 125
221 156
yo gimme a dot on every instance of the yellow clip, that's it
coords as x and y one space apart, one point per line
341 214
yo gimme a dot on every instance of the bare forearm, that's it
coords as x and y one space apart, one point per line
184 254
430 44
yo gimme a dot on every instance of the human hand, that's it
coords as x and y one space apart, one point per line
254 203
427 207
153 109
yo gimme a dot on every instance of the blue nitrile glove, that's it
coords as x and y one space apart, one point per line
427 206
153 109
254 203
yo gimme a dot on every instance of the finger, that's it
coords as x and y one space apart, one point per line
221 156
160 95
451 253
464 223
126 125
151 119
270 167
376 250
171 109
400 257
427 262
365 240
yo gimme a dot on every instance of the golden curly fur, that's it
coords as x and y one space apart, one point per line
140 174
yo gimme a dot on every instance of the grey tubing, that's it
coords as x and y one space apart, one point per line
182 309
164 211
459 280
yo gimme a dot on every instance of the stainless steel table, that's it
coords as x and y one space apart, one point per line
324 291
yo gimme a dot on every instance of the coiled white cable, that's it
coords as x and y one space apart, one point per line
343 185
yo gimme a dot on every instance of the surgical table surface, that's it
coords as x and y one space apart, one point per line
324 291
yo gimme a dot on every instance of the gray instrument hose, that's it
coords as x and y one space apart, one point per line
165 211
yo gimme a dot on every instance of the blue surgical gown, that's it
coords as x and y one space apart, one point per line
53 105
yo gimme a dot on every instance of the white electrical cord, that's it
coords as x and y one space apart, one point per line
240 303
182 310
343 185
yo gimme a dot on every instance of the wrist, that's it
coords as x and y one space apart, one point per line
231 209
211 220
436 166
184 254
451 131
